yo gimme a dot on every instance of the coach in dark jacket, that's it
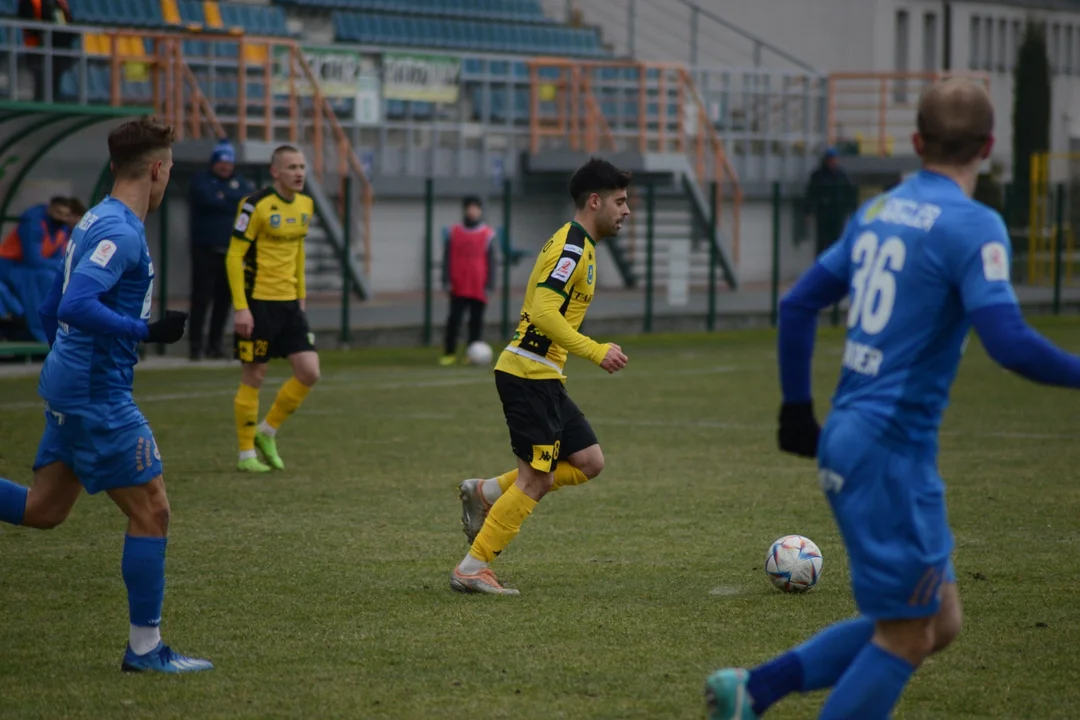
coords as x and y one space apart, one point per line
215 196
830 198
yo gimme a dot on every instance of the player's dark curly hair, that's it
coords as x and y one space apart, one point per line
596 176
131 144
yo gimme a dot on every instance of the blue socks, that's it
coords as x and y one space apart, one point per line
870 688
816 664
143 567
12 502
826 656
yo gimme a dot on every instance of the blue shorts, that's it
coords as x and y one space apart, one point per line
890 505
111 449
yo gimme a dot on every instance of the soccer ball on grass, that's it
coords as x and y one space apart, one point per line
793 564
479 353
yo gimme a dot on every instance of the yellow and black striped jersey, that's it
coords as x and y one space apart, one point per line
270 233
562 283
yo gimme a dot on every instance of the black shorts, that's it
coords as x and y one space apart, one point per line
281 330
544 422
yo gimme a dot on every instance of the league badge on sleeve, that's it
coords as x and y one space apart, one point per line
564 269
103 253
995 261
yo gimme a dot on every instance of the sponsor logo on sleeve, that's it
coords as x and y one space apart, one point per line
103 253
995 260
575 249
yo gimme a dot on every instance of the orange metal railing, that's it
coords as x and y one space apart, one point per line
875 111
575 104
295 111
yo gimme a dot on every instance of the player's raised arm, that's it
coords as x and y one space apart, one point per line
991 304
824 284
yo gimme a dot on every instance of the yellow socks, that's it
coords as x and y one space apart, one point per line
565 475
502 524
246 410
506 480
289 398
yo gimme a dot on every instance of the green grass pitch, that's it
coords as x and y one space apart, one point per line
323 591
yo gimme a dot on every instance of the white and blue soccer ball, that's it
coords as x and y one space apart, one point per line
479 353
793 564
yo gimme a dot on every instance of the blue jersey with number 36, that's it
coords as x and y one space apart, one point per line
83 370
917 261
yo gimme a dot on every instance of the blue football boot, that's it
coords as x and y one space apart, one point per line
162 659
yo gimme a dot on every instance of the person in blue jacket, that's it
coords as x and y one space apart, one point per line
33 251
214 197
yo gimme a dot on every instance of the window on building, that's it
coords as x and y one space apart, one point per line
1002 45
973 43
1067 52
1014 47
930 43
903 43
1055 48
988 44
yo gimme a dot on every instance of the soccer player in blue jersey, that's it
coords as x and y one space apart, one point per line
95 437
922 264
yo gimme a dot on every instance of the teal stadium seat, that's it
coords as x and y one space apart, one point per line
403 29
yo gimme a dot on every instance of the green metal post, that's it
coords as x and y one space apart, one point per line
710 320
102 183
429 229
346 258
505 329
775 290
1059 244
162 269
1008 206
650 231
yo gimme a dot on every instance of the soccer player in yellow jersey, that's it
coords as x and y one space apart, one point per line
550 436
266 275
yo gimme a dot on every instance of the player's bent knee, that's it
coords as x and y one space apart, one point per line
949 620
44 518
589 461
253 374
912 640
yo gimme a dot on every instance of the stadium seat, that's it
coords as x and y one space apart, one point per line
170 12
191 13
527 11
403 29
211 13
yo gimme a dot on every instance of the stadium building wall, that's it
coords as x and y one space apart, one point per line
831 36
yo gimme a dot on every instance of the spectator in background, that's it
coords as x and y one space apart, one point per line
33 252
830 198
58 13
215 197
468 274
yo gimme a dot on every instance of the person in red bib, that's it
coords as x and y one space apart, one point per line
468 275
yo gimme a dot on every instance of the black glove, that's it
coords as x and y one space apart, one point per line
168 329
799 430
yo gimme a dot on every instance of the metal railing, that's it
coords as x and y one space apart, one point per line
873 113
641 107
204 85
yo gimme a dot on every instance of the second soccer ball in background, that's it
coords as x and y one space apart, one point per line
479 353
